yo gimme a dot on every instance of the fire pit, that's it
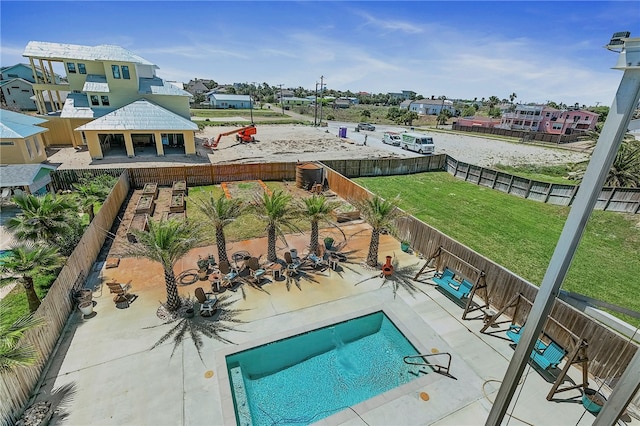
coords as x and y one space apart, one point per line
387 268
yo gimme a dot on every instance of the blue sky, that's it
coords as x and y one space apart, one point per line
539 50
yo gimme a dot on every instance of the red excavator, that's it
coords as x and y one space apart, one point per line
243 135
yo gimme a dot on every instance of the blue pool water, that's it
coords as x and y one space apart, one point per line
304 378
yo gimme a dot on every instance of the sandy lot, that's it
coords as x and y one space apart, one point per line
305 143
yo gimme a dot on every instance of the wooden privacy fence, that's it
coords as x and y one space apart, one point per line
212 174
16 386
387 166
63 180
609 352
625 200
522 134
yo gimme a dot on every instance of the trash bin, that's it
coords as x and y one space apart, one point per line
343 132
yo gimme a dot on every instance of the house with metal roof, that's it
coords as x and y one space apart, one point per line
135 127
16 93
224 101
105 80
20 70
21 138
29 178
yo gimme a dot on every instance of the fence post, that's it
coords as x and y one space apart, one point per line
606 204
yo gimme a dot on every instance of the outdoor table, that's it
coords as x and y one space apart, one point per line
276 270
240 255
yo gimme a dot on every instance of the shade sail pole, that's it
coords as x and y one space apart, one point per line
605 152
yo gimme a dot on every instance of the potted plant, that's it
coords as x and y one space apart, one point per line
203 268
86 308
592 400
404 246
328 243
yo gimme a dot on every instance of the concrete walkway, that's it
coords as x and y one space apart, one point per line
120 381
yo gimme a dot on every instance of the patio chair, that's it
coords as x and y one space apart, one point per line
229 275
255 270
207 302
292 265
317 261
121 291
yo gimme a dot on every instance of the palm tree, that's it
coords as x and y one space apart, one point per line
380 214
13 351
166 242
274 210
198 326
625 170
317 208
402 277
92 191
27 261
43 218
221 212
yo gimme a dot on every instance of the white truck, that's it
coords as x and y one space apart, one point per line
417 142
391 138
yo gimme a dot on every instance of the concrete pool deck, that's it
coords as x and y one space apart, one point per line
119 381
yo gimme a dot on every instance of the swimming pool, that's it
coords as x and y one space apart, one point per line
304 378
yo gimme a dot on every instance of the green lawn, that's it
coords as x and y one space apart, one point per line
246 226
552 174
522 234
14 305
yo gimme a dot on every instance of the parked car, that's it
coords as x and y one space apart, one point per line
366 126
391 138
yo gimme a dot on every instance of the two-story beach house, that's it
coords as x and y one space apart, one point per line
115 104
541 118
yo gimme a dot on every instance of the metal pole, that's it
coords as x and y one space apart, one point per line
251 105
608 144
281 100
622 394
315 107
321 97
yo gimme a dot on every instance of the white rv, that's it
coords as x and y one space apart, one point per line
417 142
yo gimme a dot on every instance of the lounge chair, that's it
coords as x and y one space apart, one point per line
255 270
207 302
122 296
229 275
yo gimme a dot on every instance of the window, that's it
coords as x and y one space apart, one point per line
71 67
557 126
105 100
116 71
82 69
94 100
125 72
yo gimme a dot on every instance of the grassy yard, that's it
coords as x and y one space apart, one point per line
522 234
552 174
246 226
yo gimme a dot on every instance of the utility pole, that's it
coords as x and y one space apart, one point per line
251 102
315 107
281 100
321 97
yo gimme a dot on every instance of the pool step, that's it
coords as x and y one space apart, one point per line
242 403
